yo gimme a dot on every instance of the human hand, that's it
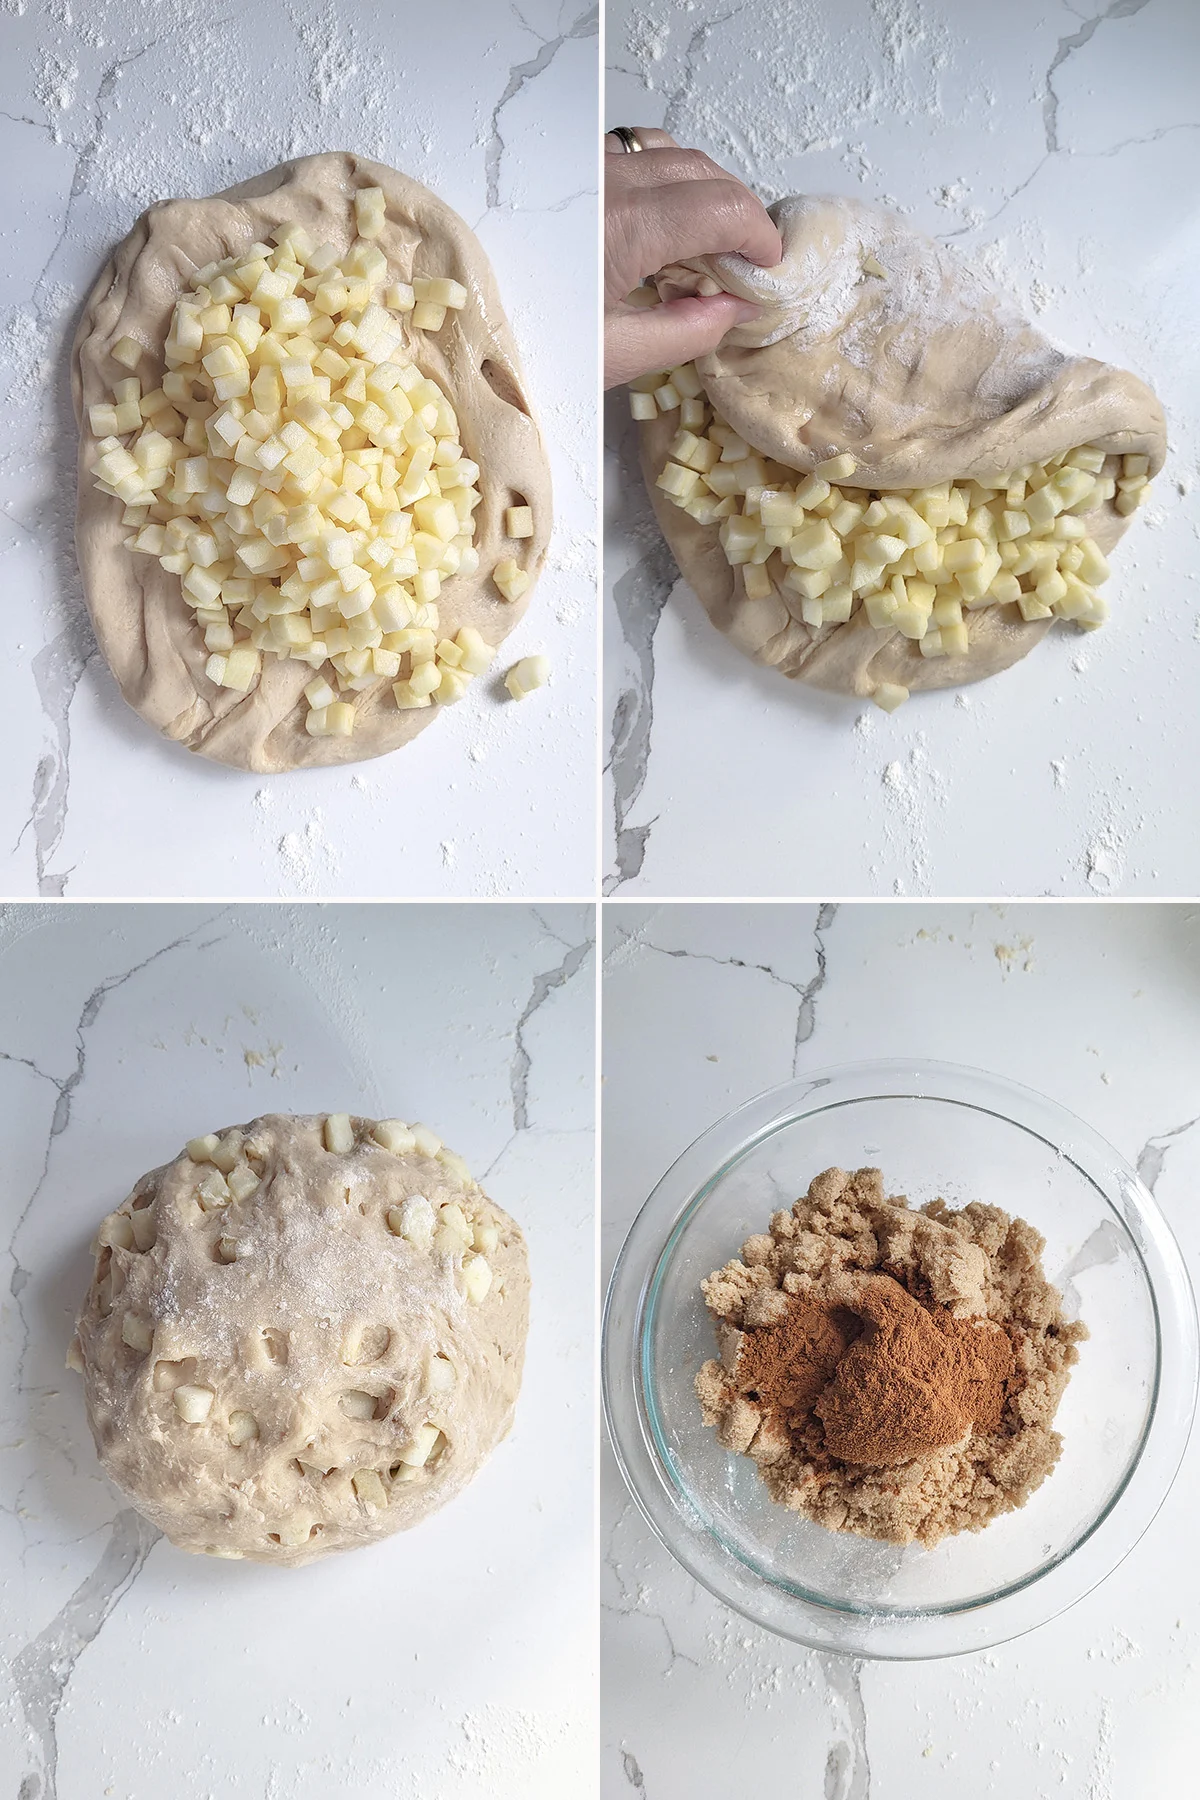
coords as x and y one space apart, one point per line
661 205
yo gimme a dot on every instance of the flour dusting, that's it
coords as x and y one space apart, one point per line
911 788
309 860
1104 861
54 88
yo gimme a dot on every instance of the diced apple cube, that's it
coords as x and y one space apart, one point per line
477 1278
193 1403
370 1489
414 1220
417 1452
242 1429
338 1133
836 468
136 1332
531 673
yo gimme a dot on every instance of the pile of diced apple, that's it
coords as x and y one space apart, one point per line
915 561
302 477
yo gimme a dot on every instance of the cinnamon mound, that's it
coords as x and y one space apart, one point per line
893 1373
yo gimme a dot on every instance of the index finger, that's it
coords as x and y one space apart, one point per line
651 194
656 226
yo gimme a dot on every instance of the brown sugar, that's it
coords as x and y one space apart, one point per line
892 1372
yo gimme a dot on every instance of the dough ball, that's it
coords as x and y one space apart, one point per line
302 1335
876 340
146 629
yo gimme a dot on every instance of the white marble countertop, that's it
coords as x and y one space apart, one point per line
1058 147
105 109
1096 1007
453 1660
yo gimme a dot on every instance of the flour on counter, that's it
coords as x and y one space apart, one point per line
54 88
910 788
309 860
804 93
1104 861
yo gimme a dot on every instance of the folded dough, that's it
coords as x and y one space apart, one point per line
919 372
144 626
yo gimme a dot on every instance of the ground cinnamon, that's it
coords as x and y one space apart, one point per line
913 1381
788 1366
888 1379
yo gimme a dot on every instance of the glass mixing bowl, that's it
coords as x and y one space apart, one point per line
935 1130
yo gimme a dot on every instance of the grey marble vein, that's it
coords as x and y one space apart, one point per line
43 1668
59 666
639 597
675 113
805 991
806 1014
1067 46
27 1062
674 1653
633 1604
1065 49
1104 1245
1151 137
848 1765
632 1772
543 986
24 119
87 151
1153 1153
61 1118
519 76
549 929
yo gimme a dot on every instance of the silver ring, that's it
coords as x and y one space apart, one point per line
627 139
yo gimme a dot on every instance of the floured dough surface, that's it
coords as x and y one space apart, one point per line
143 624
923 376
290 1350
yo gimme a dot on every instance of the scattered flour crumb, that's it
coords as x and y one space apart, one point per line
1104 861
309 858
25 354
1015 955
1059 769
909 788
499 1741
54 88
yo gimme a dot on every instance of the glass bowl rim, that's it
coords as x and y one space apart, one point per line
647 1467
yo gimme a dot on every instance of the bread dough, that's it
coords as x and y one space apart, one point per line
142 622
923 376
324 1315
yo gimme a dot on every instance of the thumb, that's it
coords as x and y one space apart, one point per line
641 341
